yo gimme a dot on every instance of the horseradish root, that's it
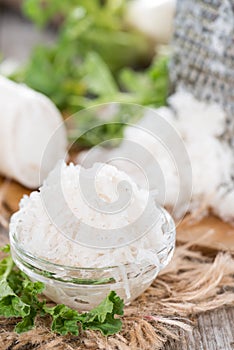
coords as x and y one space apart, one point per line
31 129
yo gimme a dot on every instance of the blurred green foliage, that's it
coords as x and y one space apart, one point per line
96 58
103 124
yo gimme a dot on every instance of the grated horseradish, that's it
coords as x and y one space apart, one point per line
69 225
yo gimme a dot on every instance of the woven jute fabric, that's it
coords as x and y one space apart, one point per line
203 53
194 282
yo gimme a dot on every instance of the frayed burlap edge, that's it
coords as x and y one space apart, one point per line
193 283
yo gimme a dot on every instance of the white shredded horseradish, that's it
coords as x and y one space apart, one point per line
77 205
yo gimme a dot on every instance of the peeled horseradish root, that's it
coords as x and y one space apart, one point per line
32 134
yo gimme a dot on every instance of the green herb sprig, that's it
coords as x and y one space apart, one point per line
20 297
96 58
87 63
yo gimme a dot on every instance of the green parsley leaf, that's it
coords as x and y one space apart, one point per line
10 304
20 297
64 319
103 316
27 323
98 76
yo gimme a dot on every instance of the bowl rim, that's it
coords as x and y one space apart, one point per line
15 244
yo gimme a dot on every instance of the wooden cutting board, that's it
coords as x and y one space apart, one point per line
210 232
10 194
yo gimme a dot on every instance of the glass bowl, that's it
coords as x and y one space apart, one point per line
84 288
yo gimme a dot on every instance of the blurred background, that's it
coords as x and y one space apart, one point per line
79 54
18 34
64 50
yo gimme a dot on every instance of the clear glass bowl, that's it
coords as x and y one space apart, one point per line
84 288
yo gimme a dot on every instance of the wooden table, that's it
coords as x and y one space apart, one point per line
214 331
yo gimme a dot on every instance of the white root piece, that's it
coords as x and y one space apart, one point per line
152 17
31 128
